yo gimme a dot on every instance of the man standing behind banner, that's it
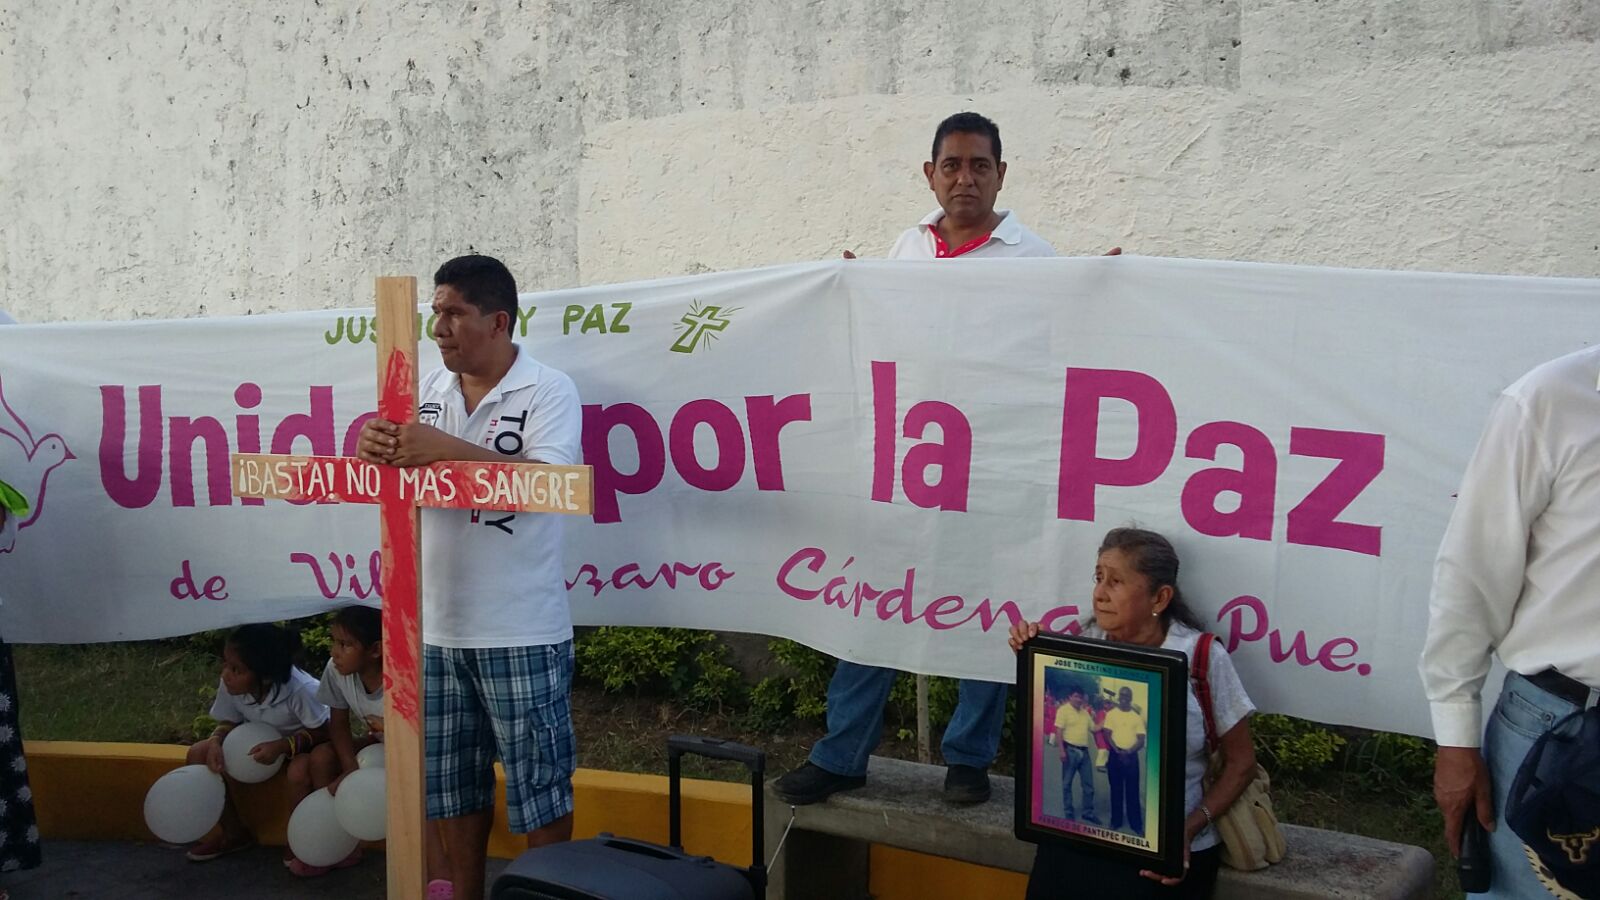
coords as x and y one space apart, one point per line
965 174
497 632
1518 575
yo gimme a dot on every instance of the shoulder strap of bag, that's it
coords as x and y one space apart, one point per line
1202 687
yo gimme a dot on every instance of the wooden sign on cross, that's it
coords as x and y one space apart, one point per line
399 492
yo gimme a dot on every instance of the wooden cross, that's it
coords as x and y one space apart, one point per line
399 492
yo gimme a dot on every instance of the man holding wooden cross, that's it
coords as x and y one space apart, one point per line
497 632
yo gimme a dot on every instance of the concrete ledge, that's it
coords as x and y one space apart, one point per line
901 807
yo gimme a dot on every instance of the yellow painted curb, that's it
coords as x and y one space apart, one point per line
95 792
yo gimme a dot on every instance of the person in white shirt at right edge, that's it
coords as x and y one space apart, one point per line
1518 575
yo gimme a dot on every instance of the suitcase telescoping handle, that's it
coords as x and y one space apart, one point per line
754 760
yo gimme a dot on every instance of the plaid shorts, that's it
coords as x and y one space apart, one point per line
513 703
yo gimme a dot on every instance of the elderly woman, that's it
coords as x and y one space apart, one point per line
1137 601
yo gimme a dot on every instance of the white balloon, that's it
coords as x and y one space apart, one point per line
314 832
236 747
360 805
370 757
184 804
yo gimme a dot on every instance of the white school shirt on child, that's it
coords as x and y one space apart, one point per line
347 692
288 707
495 579
1230 706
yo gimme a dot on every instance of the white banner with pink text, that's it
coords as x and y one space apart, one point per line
887 461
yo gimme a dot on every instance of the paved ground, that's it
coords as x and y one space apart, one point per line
82 870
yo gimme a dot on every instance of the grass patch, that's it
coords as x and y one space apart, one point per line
145 691
1347 801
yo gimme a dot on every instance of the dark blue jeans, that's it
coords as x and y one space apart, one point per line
856 698
1079 762
1523 713
1122 770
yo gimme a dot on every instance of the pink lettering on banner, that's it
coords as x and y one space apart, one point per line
767 420
185 432
140 490
1082 470
185 587
342 574
1255 482
164 446
248 428
952 456
315 426
729 439
598 423
710 576
896 604
1331 656
1314 521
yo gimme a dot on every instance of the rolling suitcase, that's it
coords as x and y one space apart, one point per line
613 868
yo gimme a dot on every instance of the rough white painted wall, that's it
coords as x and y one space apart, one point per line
193 157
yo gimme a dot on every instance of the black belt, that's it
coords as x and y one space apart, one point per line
1569 689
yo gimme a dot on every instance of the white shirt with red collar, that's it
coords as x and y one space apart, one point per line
1008 239
496 579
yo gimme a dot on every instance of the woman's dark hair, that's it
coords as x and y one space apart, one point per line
268 651
1153 557
363 623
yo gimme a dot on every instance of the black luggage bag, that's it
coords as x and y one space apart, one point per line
613 868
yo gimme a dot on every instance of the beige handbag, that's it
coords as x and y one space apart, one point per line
1251 838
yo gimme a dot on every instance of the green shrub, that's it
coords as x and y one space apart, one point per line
716 685
804 693
316 641
771 704
686 665
1290 746
1392 760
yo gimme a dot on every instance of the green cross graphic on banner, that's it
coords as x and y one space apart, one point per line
701 322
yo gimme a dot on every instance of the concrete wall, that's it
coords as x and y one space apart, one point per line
192 158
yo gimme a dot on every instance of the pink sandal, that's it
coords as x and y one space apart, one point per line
438 889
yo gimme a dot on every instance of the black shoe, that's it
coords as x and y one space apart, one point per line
813 784
966 784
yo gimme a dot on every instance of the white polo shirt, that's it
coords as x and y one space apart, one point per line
1009 239
1518 572
495 579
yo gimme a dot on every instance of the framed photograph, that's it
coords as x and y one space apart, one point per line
1100 748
